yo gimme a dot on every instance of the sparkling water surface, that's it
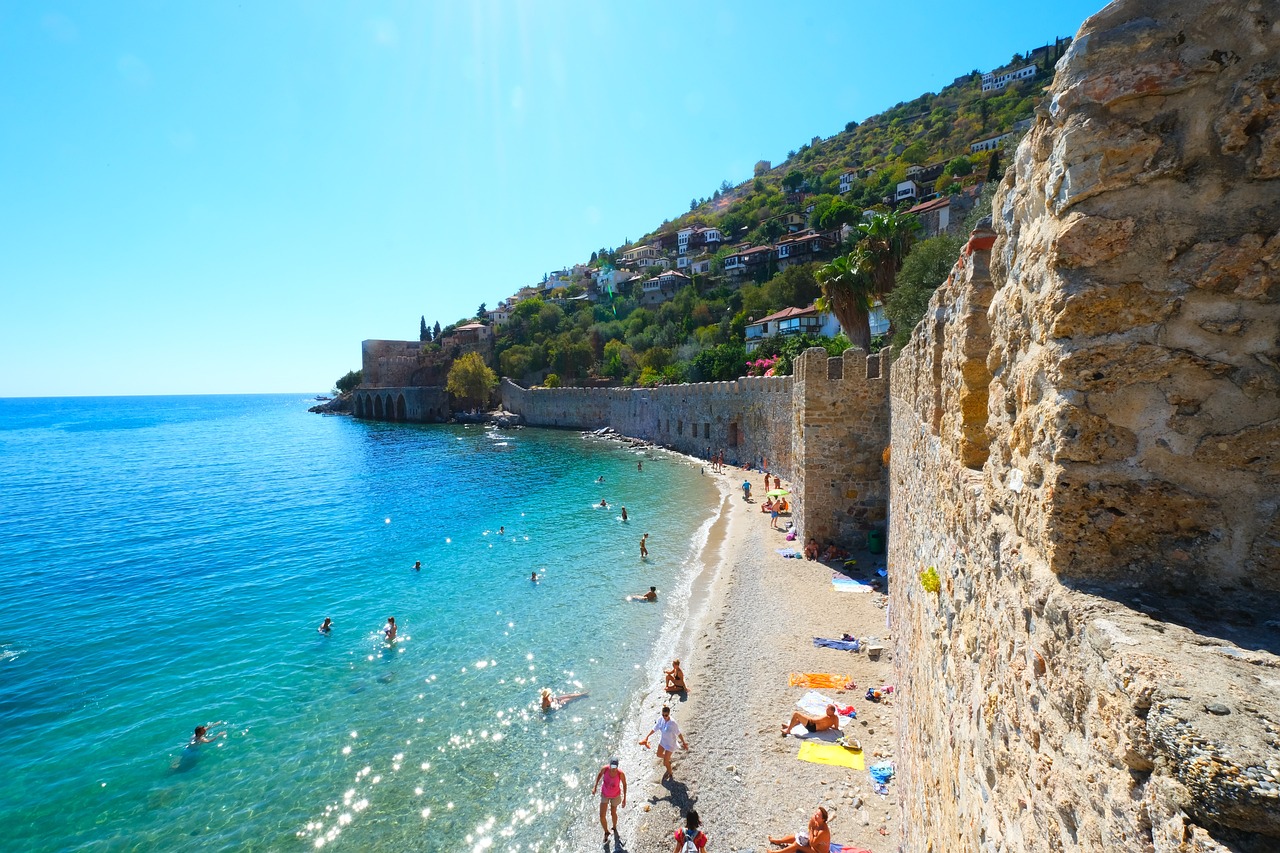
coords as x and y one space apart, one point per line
167 560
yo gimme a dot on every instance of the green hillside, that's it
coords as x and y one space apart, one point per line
581 332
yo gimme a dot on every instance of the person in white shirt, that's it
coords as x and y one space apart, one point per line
668 733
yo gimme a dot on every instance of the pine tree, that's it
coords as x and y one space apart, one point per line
435 336
993 166
424 334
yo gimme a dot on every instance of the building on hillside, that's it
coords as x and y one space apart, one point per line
846 181
906 190
803 247
642 257
945 215
608 281
793 222
499 315
791 321
746 259
694 240
661 288
761 167
992 82
701 265
991 143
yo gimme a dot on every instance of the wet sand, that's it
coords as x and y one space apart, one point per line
753 616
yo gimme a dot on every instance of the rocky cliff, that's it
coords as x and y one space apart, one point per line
1086 448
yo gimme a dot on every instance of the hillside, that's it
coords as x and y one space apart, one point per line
676 304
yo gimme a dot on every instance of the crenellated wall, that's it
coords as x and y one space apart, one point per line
748 418
1086 452
825 430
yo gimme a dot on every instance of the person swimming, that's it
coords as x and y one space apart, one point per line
389 630
501 530
624 513
325 625
604 504
534 577
651 595
417 565
555 703
201 734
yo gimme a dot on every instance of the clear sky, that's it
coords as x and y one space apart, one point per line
227 197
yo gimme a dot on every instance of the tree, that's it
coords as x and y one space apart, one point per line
435 335
959 167
725 186
349 382
850 126
693 204
848 291
886 240
593 258
424 334
926 268
793 180
471 380
481 311
552 381
993 166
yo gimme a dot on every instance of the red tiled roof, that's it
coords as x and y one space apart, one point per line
786 313
925 207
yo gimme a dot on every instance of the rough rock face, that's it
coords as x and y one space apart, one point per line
1086 445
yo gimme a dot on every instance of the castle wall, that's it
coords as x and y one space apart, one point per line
1086 452
411 405
839 431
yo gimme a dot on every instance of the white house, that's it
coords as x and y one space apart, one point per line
907 189
991 143
499 315
846 181
991 82
791 321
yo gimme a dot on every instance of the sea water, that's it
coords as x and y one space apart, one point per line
165 562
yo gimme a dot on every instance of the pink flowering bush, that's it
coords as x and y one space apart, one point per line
762 366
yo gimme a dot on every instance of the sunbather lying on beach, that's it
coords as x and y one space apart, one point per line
555 703
675 678
813 724
815 838
833 553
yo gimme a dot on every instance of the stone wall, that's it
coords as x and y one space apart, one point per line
412 405
399 364
748 418
839 433
1086 451
825 431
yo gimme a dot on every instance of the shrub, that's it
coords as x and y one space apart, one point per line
552 381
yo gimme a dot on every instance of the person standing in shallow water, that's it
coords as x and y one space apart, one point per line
389 630
644 548
624 513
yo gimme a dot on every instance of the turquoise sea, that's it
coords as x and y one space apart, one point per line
165 562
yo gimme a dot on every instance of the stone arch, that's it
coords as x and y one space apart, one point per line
377 407
400 408
359 406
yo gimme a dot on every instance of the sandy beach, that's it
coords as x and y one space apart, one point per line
753 617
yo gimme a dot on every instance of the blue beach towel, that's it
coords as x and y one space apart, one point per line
842 645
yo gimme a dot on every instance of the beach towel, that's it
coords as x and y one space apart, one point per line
846 584
830 753
788 552
881 773
821 680
815 704
842 645
847 847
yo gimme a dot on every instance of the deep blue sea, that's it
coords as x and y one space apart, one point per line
165 562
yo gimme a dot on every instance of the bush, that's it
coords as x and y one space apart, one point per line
552 381
349 382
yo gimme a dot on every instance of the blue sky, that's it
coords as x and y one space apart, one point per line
228 197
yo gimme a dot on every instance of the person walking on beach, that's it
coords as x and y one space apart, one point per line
612 783
668 733
746 490
389 630
690 839
644 549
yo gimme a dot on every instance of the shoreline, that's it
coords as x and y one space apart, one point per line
750 622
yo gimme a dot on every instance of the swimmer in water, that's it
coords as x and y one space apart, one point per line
651 595
417 565
201 734
389 630
624 513
600 479
534 577
325 625
501 530
604 503
555 703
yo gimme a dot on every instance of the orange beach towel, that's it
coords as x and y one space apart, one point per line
821 681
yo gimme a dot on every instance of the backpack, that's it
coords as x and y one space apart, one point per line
689 846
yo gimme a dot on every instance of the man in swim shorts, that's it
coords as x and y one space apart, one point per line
612 783
651 595
644 548
815 838
668 733
813 724
624 513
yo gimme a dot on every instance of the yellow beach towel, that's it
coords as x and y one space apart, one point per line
830 753
820 680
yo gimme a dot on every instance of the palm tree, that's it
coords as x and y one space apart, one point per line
848 292
886 239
